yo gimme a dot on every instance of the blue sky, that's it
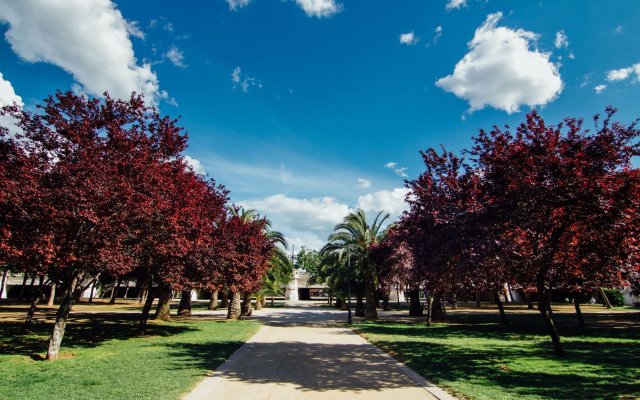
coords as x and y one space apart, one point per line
307 108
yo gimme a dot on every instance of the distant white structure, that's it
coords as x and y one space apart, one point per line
300 289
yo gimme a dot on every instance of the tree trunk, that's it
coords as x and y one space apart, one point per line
477 299
529 303
273 301
339 303
24 284
93 289
126 290
52 295
148 303
576 304
114 292
500 307
163 309
544 309
259 299
55 341
360 307
234 311
213 303
37 295
330 300
370 312
605 299
415 308
548 300
454 302
224 299
246 308
3 282
184 309
429 309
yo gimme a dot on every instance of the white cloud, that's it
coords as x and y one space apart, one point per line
622 74
400 171
88 39
319 8
8 94
500 70
133 29
391 201
455 4
600 88
304 221
408 38
195 165
364 183
176 56
235 5
562 41
243 81
619 29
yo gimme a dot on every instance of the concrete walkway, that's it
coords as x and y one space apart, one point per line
305 353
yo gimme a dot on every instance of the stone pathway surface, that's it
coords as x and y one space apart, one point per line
305 353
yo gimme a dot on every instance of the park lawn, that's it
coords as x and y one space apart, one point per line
476 357
101 360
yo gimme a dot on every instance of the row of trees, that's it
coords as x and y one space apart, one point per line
539 208
94 188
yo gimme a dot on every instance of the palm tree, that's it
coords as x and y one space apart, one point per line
354 237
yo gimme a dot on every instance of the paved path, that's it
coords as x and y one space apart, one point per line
304 353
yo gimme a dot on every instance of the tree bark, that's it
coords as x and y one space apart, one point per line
37 295
55 341
52 295
126 290
370 312
213 303
360 307
148 303
259 302
3 281
24 284
415 308
477 299
224 299
429 309
93 289
339 303
385 300
114 292
544 309
454 302
548 300
234 311
273 301
500 307
246 308
576 304
605 299
184 309
529 303
163 309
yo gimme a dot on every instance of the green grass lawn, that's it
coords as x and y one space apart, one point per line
482 359
101 360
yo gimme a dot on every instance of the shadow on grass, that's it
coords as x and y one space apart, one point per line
83 331
601 362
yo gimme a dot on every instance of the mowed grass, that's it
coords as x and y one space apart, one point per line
100 358
479 358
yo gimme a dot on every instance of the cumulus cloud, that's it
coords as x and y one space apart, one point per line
319 8
235 5
390 201
400 171
408 38
455 4
364 183
562 41
622 74
88 39
599 88
304 221
195 165
502 71
7 94
176 56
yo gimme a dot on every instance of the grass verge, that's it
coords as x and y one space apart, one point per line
101 360
479 358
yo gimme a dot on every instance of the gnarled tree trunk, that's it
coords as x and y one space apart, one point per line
234 311
545 311
37 295
184 309
429 309
163 309
55 341
246 308
224 299
148 303
415 308
496 294
114 292
259 299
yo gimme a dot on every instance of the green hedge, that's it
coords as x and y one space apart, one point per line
615 297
